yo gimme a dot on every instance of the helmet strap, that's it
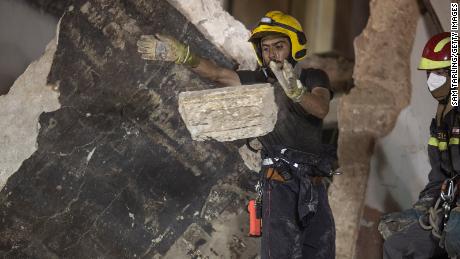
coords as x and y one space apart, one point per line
269 75
292 60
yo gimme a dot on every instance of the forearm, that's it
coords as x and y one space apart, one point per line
167 48
316 105
213 72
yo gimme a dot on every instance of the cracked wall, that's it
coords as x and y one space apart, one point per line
399 165
382 76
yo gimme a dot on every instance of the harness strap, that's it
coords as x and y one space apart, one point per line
438 215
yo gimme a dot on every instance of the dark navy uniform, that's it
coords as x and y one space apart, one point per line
297 220
405 236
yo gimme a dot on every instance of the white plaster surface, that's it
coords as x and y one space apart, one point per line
227 34
400 165
20 109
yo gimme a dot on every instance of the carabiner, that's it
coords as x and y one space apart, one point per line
448 195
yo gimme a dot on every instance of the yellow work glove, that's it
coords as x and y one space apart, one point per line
288 80
166 48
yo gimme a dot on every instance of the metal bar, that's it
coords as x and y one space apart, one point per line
434 17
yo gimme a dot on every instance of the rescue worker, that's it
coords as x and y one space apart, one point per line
432 227
297 219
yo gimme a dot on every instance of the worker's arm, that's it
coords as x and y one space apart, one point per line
167 48
213 72
315 102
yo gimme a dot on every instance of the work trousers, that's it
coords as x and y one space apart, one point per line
413 242
284 234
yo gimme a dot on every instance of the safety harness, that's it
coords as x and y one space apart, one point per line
301 163
446 140
305 167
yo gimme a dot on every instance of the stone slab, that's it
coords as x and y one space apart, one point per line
229 113
115 173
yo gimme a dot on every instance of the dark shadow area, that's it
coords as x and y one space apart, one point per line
6 82
350 20
25 30
53 7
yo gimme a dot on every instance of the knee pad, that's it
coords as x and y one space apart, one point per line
396 222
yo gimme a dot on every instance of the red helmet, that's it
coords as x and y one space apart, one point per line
436 53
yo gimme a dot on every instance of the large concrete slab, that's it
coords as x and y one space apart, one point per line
115 173
29 96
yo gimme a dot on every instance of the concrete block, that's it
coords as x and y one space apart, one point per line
229 113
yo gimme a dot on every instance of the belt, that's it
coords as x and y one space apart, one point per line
269 161
273 174
326 170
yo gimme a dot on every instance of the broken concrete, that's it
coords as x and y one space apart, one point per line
29 96
225 241
228 220
115 173
228 35
252 158
382 90
229 113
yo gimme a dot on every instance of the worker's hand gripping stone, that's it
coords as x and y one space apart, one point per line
288 80
166 48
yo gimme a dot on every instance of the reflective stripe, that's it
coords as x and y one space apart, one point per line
440 45
454 141
442 146
267 161
433 141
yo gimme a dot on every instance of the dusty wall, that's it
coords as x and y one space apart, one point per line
400 165
382 90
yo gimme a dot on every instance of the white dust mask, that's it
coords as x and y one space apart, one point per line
435 81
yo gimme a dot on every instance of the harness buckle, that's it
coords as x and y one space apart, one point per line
448 191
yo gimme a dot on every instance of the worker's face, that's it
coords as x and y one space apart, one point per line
275 48
438 82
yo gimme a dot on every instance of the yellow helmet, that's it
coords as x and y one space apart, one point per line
278 22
